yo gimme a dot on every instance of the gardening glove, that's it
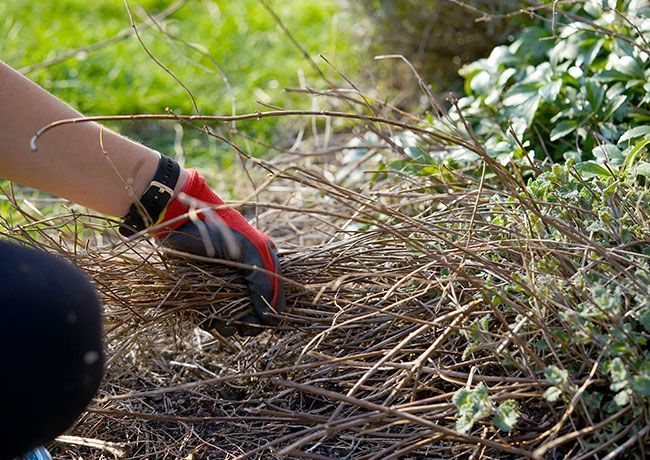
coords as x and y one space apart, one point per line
225 234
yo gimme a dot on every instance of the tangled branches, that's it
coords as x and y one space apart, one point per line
402 290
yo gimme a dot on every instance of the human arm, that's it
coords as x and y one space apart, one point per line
97 168
84 163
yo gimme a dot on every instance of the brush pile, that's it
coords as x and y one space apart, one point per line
447 314
473 285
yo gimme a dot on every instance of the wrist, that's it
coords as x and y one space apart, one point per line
148 210
196 192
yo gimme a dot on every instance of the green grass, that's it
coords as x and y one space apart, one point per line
241 36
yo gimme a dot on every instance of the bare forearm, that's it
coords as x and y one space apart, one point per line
84 163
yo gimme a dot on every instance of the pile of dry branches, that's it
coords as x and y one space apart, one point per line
387 275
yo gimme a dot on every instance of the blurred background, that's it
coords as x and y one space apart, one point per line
235 56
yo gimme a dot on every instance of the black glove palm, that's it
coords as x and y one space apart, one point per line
227 235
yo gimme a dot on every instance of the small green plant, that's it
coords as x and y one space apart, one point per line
620 379
474 333
507 415
475 405
560 380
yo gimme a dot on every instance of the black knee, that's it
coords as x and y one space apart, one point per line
50 346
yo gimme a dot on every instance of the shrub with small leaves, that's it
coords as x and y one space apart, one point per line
475 405
560 380
557 126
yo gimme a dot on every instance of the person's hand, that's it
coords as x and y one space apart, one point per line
224 233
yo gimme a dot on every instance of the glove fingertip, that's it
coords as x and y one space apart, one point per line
249 326
218 325
263 310
278 293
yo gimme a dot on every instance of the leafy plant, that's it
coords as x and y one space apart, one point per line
572 87
474 332
620 381
613 312
560 380
507 415
475 405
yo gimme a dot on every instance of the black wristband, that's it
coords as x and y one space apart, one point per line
155 199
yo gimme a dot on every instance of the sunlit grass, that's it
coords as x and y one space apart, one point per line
241 37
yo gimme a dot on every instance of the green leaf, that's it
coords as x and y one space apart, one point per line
505 76
629 66
523 101
622 398
593 9
608 153
590 169
637 131
614 105
641 384
556 375
589 51
507 415
551 90
460 397
637 151
480 83
464 423
552 394
611 75
530 44
572 155
642 169
618 373
595 94
608 300
481 391
563 128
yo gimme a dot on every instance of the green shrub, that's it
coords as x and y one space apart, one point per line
606 304
560 119
573 86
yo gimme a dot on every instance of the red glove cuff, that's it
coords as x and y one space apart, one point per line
194 188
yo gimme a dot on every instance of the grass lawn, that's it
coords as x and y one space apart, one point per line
234 40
